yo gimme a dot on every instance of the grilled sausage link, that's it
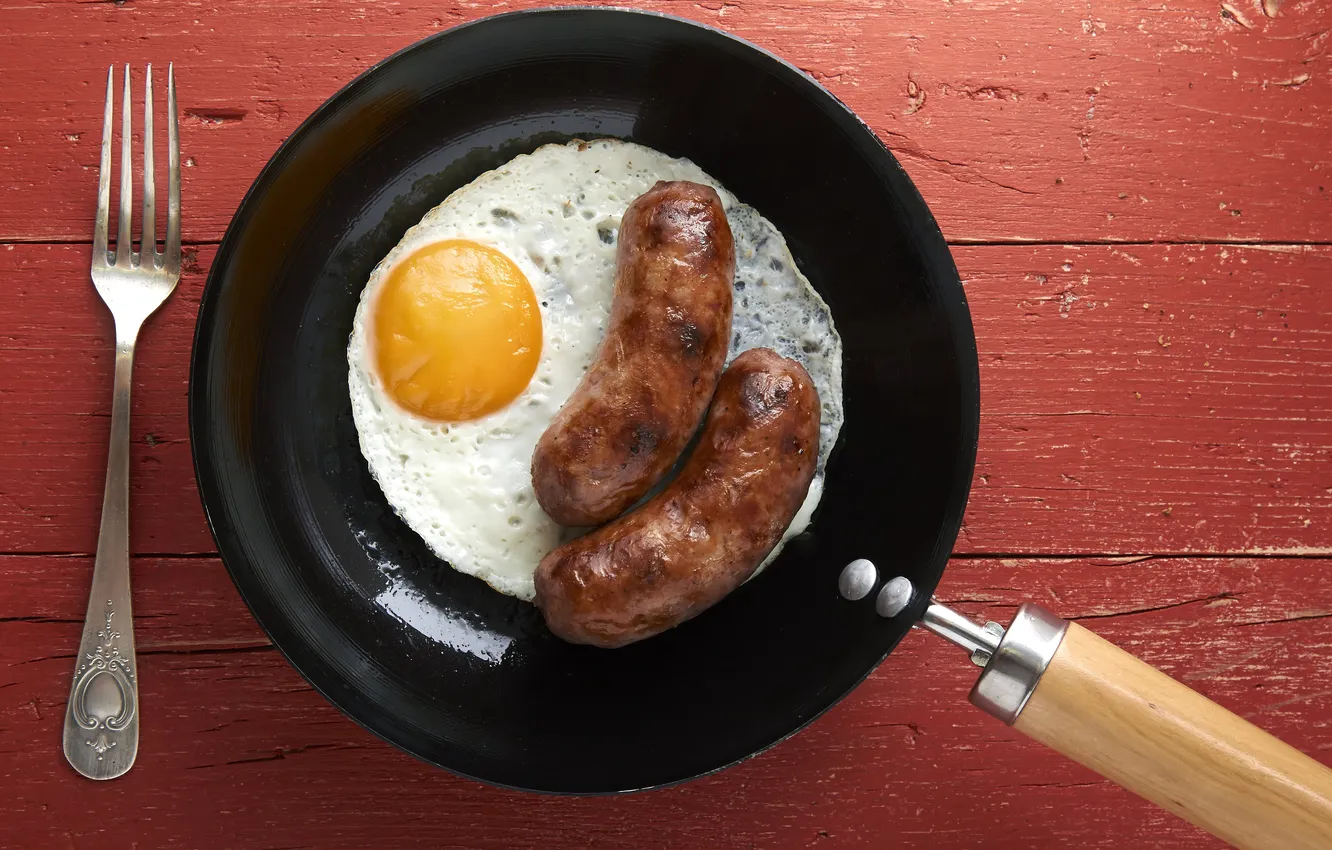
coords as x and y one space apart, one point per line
648 386
703 535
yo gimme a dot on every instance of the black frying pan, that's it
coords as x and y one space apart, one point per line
307 535
304 528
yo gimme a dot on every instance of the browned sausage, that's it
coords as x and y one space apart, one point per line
703 535
649 384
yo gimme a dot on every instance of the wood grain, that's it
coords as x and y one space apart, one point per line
1143 400
1018 122
1198 423
56 363
1160 399
239 752
1133 724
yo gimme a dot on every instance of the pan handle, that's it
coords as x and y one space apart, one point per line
1083 696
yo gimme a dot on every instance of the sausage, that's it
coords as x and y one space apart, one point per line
708 530
648 387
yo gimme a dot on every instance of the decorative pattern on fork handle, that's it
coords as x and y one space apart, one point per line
101 738
110 707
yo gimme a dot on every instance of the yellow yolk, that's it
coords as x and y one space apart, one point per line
457 332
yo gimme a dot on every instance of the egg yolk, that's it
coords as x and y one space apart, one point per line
457 332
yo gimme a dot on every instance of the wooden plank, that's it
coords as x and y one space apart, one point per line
1201 422
239 751
1162 399
56 363
1036 121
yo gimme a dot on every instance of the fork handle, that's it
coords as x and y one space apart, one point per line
102 718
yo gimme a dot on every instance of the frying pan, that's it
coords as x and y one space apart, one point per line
442 666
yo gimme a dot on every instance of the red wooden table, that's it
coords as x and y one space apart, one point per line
1140 202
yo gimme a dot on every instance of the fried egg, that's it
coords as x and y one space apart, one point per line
472 332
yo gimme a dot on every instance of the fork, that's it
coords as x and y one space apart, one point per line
102 718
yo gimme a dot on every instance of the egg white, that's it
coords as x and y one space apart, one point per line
466 487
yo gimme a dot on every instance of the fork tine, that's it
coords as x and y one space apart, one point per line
148 241
123 244
104 178
172 247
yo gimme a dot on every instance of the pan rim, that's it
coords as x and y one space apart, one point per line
207 478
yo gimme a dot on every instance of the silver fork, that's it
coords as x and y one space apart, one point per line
102 718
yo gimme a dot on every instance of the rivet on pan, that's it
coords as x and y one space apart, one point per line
894 597
857 579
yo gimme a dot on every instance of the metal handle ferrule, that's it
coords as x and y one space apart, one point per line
1017 663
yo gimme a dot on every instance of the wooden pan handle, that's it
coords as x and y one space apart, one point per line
1138 727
